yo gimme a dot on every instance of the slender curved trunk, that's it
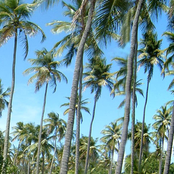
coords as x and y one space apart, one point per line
78 120
169 145
43 162
15 157
112 159
89 137
40 132
28 167
7 132
142 130
161 156
55 144
128 89
133 106
70 123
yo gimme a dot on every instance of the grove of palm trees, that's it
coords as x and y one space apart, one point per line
86 86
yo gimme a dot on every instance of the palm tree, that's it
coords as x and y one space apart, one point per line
71 42
96 77
56 126
161 125
45 149
147 138
31 136
109 17
128 87
170 72
140 12
169 145
154 7
120 84
26 134
74 32
111 138
145 21
3 96
93 152
82 106
150 55
14 18
168 64
79 57
18 134
46 72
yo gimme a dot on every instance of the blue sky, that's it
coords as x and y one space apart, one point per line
27 105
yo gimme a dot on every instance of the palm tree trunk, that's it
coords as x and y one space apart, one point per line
43 162
128 89
142 130
78 120
89 137
40 132
52 162
6 142
70 123
15 157
112 159
161 156
169 145
28 168
133 105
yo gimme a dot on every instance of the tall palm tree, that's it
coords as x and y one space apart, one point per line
145 21
26 135
111 138
120 84
45 149
31 136
147 138
19 134
56 126
154 7
79 58
82 106
161 125
71 42
150 55
128 87
45 72
3 95
169 145
93 153
14 19
96 77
